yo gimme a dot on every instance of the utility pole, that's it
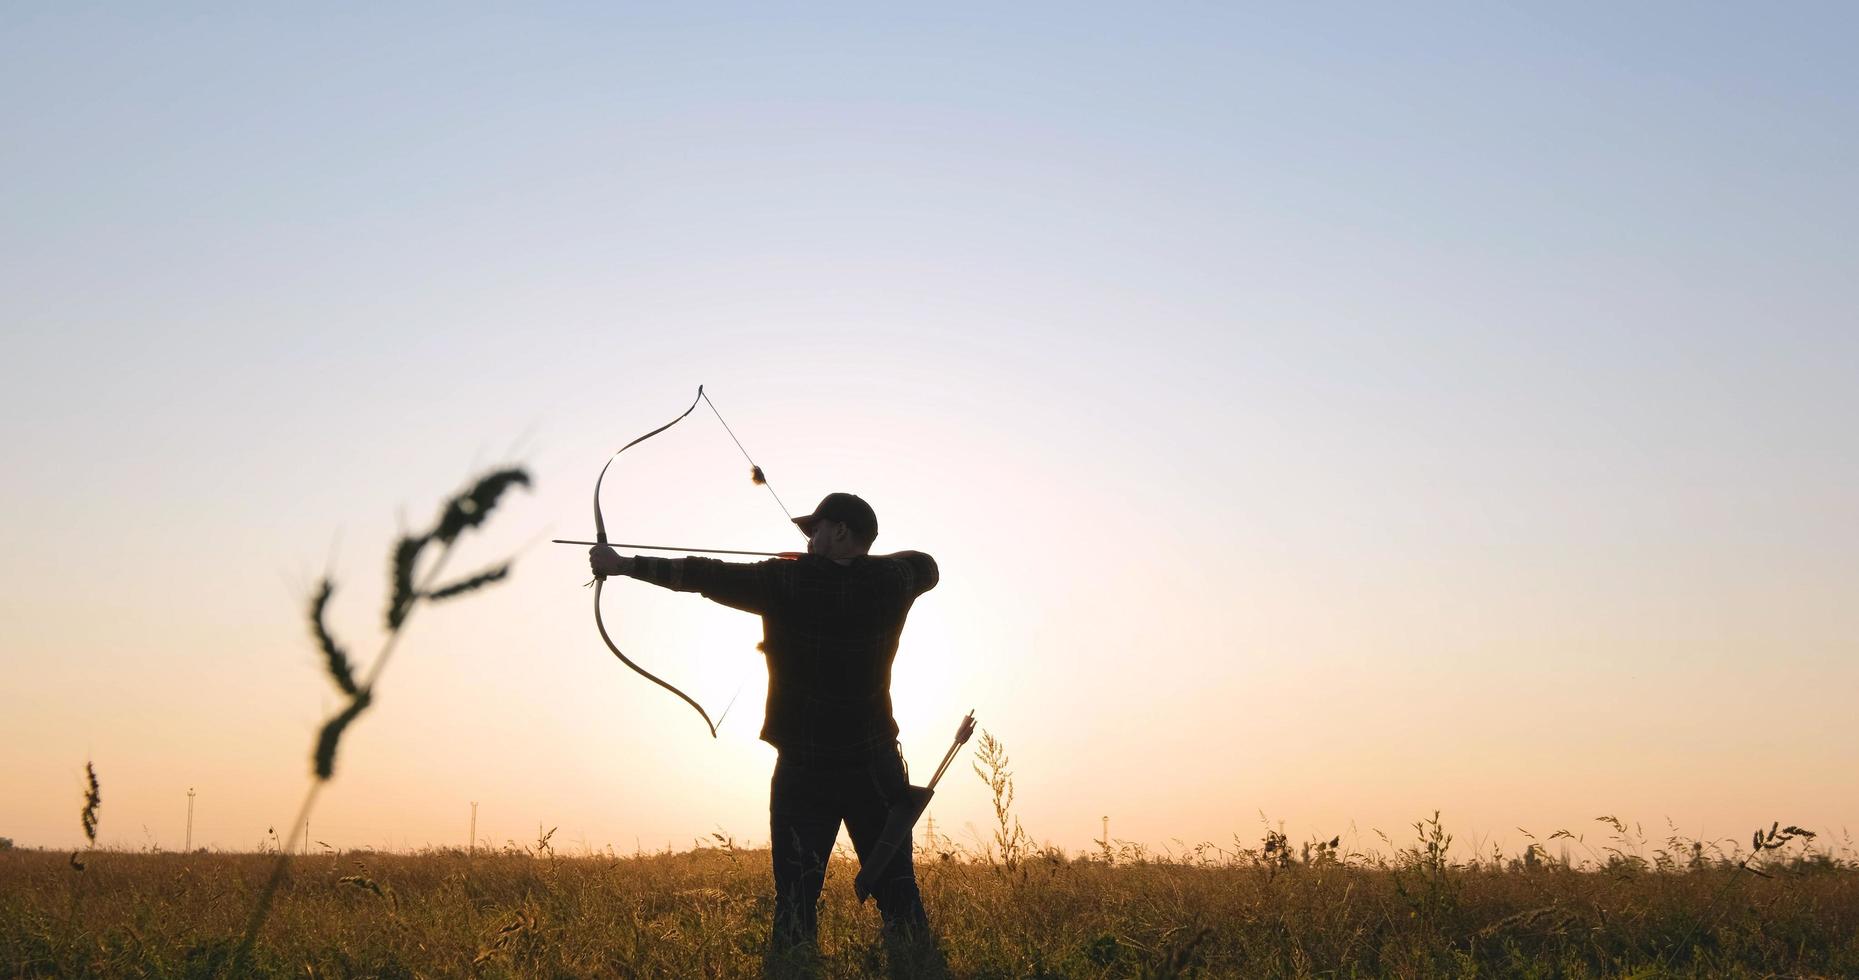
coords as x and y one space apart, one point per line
188 848
471 841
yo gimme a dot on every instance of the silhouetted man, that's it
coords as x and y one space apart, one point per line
830 626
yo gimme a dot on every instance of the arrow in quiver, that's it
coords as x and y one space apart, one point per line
903 818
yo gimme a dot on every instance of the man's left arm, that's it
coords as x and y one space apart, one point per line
747 587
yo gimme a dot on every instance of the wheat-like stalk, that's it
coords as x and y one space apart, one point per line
461 513
93 799
992 765
1760 843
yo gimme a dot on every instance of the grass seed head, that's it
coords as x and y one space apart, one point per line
406 556
333 654
471 584
332 733
93 798
469 509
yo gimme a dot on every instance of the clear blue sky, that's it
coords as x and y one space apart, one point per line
1427 400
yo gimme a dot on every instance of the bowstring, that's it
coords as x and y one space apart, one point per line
757 470
745 455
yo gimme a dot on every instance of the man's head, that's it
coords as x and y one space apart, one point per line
842 526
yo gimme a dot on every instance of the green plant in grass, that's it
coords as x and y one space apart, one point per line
1011 841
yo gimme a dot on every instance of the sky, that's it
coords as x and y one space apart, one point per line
1322 415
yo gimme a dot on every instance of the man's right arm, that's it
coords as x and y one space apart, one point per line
921 572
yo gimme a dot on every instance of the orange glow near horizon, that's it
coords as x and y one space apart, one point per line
1318 416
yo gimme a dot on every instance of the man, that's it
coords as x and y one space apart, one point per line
830 625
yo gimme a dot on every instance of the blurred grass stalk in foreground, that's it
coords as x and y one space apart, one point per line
411 586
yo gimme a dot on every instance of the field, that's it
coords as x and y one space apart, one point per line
1786 908
1607 903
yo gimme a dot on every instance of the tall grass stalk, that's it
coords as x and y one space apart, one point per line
1776 838
466 511
992 765
87 818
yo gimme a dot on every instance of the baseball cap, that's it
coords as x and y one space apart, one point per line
849 509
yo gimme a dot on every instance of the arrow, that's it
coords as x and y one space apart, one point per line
666 547
902 819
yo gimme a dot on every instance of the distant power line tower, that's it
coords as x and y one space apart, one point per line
188 847
471 840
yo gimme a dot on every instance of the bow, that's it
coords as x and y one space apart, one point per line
600 536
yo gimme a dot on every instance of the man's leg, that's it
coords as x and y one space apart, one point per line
909 945
868 804
802 825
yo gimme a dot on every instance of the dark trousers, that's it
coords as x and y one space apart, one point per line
808 799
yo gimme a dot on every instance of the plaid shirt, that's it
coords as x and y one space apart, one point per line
829 632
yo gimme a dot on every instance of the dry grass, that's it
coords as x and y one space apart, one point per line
1261 911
